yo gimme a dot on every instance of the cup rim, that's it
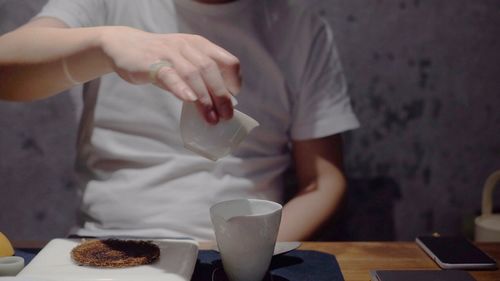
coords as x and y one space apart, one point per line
482 221
11 261
278 206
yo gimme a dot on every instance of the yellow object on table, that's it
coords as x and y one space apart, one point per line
5 246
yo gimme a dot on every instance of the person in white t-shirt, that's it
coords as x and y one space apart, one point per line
150 56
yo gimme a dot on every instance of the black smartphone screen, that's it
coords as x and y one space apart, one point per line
455 250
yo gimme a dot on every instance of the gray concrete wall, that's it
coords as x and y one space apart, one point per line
424 80
37 186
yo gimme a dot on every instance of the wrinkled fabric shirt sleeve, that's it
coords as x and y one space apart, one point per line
76 13
322 106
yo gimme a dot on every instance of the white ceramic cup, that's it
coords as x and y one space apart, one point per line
487 226
246 232
213 141
11 266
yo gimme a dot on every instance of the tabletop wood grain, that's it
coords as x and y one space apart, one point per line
356 259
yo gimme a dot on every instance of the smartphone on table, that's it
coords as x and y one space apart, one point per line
455 252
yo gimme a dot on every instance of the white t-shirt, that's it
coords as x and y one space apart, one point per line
139 180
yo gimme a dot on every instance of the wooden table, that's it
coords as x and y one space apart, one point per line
356 259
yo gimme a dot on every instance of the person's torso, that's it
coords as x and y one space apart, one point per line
139 174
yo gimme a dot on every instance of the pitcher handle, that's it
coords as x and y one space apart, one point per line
489 186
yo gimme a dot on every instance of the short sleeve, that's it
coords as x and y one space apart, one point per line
322 106
76 13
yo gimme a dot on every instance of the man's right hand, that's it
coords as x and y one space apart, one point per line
192 68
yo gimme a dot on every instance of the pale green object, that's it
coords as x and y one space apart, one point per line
11 266
488 224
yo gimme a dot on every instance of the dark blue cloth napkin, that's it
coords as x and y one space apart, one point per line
27 254
294 266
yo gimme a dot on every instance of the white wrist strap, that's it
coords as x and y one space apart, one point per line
68 74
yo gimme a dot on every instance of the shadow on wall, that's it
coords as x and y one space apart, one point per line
368 212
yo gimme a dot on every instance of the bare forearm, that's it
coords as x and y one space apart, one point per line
306 213
31 60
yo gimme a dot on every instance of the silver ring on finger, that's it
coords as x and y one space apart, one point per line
154 68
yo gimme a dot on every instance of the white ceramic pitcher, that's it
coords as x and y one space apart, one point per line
246 232
487 227
213 141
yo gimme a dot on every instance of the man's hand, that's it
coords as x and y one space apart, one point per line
189 66
192 67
